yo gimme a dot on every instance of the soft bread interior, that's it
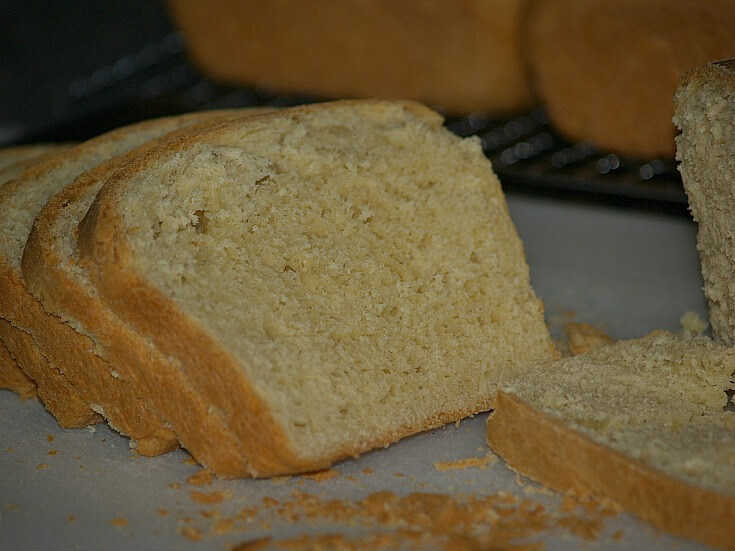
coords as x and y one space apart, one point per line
705 113
357 260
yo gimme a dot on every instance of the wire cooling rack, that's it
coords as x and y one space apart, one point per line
526 153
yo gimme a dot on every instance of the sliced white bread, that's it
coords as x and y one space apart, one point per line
53 275
331 277
57 369
13 161
642 423
705 149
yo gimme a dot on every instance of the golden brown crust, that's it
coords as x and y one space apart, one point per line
28 153
11 376
54 390
462 55
541 447
158 379
607 70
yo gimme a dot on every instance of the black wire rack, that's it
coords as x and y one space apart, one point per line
525 152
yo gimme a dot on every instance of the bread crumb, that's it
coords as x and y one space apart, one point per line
49 438
692 324
52 452
163 512
481 462
252 545
398 475
191 533
119 521
174 485
223 526
209 498
11 507
618 535
189 461
321 476
200 478
42 466
584 336
71 518
9 450
586 528
367 470
269 502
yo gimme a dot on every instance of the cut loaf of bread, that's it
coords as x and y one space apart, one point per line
331 277
54 276
642 423
607 69
705 114
13 162
74 383
461 55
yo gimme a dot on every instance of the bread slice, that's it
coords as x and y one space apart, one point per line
640 422
54 277
331 277
13 161
705 114
57 369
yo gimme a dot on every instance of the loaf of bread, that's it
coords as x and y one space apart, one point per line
74 383
54 277
331 277
607 70
705 113
460 55
642 423
13 161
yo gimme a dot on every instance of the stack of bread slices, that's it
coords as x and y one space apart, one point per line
273 291
278 290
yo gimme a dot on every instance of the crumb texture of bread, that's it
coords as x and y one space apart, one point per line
351 267
705 114
642 422
607 69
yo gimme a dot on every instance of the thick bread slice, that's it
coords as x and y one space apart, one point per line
639 422
80 368
705 149
332 277
13 161
53 275
606 69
